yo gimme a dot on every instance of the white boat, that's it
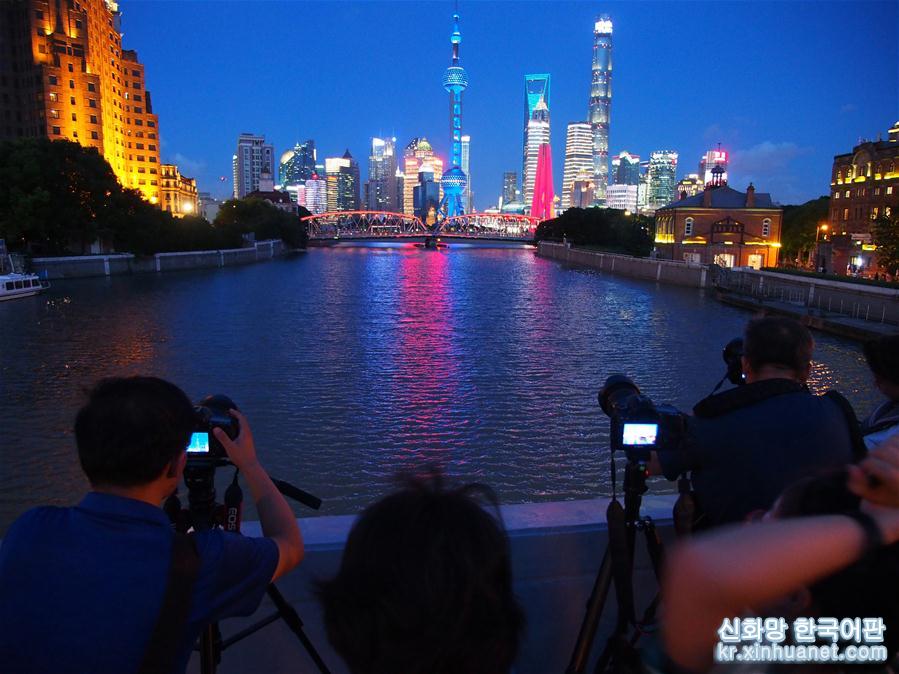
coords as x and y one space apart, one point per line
19 285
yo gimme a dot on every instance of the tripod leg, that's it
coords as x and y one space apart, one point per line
210 649
292 618
595 606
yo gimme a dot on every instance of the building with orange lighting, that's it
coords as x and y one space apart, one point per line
721 226
65 75
178 193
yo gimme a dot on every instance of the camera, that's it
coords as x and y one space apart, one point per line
211 412
637 425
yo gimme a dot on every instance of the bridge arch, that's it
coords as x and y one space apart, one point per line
363 224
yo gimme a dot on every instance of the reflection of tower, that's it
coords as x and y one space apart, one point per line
600 102
542 203
455 81
538 134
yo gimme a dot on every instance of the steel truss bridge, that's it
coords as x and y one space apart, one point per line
381 225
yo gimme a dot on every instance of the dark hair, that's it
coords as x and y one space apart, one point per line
882 355
131 428
777 340
870 587
425 586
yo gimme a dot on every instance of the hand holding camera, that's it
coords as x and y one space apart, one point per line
241 450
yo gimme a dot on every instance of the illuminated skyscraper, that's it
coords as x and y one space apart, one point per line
297 165
65 75
537 135
662 178
691 185
626 169
455 81
542 202
417 155
466 156
710 160
316 194
254 158
343 183
600 103
578 157
536 88
380 190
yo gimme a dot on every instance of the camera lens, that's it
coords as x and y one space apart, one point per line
617 390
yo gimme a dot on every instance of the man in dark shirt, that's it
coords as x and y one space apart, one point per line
81 588
745 445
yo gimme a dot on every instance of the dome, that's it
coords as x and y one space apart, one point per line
423 145
287 156
454 181
455 79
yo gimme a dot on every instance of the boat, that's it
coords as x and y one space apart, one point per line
431 243
13 284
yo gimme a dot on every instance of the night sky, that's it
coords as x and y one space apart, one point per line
783 86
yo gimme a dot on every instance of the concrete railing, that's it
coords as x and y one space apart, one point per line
556 552
663 271
83 266
820 296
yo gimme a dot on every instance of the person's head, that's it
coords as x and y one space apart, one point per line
133 431
882 355
777 347
870 587
425 586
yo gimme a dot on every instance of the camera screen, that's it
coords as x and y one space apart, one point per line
199 443
639 434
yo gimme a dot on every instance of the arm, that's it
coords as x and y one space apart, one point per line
718 575
275 515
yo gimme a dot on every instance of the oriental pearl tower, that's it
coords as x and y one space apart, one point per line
455 81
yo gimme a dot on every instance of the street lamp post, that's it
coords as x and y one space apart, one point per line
819 259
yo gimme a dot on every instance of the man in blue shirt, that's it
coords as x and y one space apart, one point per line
81 588
745 445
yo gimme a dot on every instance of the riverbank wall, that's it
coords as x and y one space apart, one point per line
85 266
663 271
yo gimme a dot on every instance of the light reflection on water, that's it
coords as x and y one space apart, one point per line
356 363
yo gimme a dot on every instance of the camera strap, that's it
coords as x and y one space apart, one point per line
171 624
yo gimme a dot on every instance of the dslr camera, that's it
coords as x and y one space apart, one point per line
637 425
211 412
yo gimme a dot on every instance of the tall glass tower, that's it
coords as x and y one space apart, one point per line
455 81
600 103
536 89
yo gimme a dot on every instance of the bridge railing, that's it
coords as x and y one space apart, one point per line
382 224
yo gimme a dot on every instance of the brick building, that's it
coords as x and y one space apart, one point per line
720 225
65 75
864 187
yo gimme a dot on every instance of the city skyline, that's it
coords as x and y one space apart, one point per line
781 113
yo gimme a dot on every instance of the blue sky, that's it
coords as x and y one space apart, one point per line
782 85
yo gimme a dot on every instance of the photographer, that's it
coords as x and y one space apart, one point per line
746 444
882 355
98 587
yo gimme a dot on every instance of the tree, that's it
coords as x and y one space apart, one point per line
604 227
800 227
237 217
885 234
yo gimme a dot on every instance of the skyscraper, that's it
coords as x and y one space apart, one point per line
662 178
316 194
536 88
710 160
65 75
254 157
417 155
466 164
381 186
626 169
542 204
342 183
578 157
537 135
600 103
455 81
297 165
510 187
623 197
691 185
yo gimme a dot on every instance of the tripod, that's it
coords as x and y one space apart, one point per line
617 567
204 513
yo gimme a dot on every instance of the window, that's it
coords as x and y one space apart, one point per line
836 195
874 213
876 191
887 211
93 119
688 227
38 14
890 189
53 97
52 79
94 135
71 84
138 110
846 194
766 227
72 100
92 102
845 214
71 68
42 48
55 130
54 114
91 86
9 285
78 23
74 117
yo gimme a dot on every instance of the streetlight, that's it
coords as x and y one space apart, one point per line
823 227
822 267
